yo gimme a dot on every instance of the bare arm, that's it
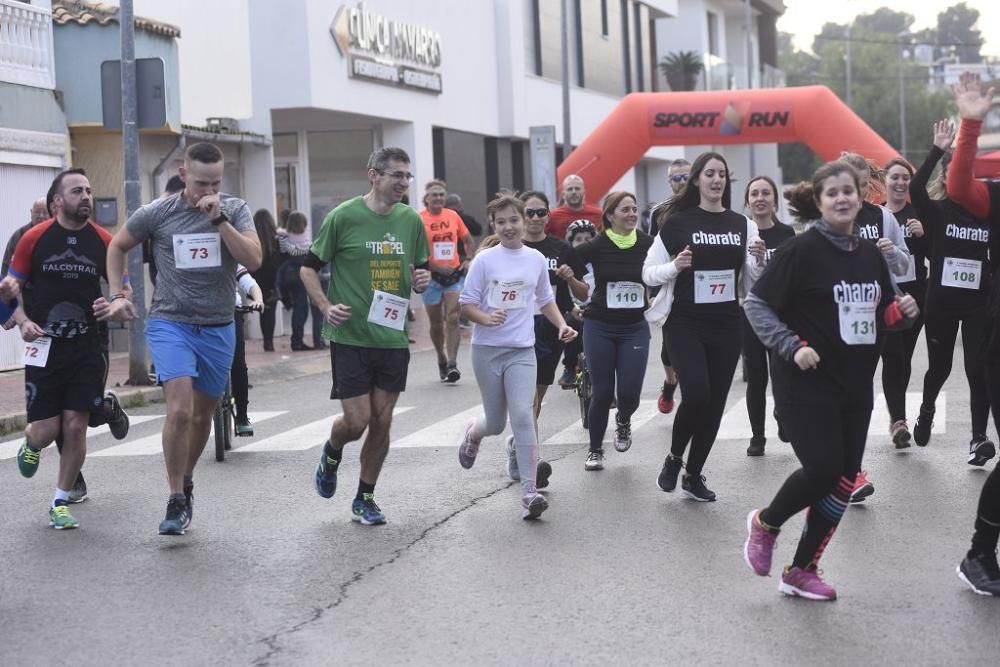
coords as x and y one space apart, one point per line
243 246
310 279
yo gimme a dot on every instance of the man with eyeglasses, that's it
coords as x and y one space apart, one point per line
575 208
378 252
448 263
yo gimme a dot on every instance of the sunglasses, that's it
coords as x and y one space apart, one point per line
679 178
536 212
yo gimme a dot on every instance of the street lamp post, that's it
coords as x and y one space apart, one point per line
902 93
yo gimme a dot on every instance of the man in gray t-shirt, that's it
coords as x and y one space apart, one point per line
197 236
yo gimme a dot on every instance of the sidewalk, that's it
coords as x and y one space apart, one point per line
280 365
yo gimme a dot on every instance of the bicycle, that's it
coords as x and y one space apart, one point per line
584 389
224 419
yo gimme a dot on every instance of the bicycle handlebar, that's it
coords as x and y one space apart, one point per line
248 309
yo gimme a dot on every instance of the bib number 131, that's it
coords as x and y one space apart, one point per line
857 323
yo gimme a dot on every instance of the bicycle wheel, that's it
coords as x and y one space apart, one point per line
219 420
229 424
583 391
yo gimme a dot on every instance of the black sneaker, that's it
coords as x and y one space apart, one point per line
453 375
177 518
189 501
922 429
667 481
693 486
781 431
442 371
79 491
568 379
117 419
623 433
542 474
981 450
756 447
981 573
244 428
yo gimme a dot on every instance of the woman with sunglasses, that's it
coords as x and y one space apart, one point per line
616 337
702 252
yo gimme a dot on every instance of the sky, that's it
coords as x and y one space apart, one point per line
804 18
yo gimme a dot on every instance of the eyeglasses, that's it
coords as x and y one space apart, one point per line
398 175
536 212
679 178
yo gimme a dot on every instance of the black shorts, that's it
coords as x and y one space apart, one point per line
548 350
72 379
358 370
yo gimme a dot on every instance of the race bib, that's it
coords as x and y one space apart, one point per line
714 286
508 294
444 251
911 273
624 294
36 353
388 310
961 273
857 323
197 251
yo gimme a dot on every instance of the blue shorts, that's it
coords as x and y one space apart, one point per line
190 350
435 292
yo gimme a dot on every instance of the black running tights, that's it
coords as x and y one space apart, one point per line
942 332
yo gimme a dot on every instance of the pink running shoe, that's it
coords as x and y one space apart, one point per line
805 583
862 487
468 448
759 547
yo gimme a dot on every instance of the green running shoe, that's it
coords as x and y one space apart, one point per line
61 519
27 459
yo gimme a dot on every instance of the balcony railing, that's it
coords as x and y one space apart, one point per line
26 54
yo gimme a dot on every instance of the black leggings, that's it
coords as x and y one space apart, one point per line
664 353
705 357
984 540
268 316
755 361
614 351
897 354
238 375
829 441
941 334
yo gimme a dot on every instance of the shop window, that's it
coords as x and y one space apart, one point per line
337 161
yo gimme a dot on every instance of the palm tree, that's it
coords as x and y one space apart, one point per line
681 69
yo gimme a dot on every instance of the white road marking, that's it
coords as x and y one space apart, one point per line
153 444
300 439
575 433
8 450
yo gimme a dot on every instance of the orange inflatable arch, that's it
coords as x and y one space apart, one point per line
812 115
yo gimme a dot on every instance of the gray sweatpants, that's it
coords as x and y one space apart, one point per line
506 377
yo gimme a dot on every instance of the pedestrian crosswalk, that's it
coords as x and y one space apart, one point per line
274 434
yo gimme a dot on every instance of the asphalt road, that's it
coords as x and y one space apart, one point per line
617 572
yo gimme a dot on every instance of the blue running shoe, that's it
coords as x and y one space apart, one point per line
326 474
177 519
366 511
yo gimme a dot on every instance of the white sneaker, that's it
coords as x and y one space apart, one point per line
468 448
595 461
512 469
532 506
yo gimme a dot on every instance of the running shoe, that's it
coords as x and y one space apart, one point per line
805 583
512 469
781 430
532 506
117 418
981 450
453 375
667 481
27 459
468 448
568 378
981 573
900 434
862 487
595 460
326 474
79 491
177 517
756 447
542 474
665 402
623 433
60 518
366 511
922 428
759 547
693 487
442 371
244 429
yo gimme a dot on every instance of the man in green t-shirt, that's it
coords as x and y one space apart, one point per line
379 253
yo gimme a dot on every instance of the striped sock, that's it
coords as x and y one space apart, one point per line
821 523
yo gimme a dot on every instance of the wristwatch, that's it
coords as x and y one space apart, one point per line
219 219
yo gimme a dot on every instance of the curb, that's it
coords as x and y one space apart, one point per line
130 398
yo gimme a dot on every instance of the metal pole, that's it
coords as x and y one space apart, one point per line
902 99
138 373
749 20
850 97
567 141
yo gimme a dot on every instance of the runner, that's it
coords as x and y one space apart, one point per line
703 251
979 568
958 294
616 337
445 231
816 308
678 174
897 352
197 238
575 207
548 345
506 284
761 197
377 250
64 258
238 376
